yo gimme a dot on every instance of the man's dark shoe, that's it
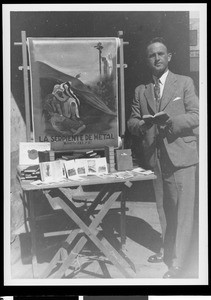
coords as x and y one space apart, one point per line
156 258
173 272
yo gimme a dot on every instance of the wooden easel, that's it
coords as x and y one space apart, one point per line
25 68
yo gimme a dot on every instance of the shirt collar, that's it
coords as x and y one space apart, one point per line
162 79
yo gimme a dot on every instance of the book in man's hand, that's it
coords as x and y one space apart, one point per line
159 118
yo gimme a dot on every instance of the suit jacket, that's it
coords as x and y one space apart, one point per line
181 103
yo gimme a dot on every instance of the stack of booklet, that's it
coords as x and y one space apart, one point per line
76 155
127 174
29 172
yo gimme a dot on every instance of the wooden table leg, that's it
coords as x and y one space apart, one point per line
109 194
124 196
25 210
68 261
71 237
122 222
92 234
32 224
56 257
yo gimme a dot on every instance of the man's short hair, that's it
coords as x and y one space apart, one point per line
158 40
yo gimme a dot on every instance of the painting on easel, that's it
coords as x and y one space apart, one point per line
74 90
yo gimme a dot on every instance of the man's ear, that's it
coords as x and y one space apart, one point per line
169 57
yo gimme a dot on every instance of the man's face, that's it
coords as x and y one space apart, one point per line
158 58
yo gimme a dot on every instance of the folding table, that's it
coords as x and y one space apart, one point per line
88 222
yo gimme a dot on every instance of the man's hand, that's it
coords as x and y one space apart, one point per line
148 119
147 125
161 122
167 125
161 118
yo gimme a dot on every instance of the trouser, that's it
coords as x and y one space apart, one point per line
158 188
175 199
178 205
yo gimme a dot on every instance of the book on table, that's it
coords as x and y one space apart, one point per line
52 171
85 166
74 169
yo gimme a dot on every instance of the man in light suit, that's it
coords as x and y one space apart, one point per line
170 149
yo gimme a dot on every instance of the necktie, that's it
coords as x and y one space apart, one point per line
157 93
157 100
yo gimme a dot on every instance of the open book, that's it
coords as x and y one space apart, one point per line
52 171
159 118
85 166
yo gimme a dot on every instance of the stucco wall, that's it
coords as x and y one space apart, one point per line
18 134
18 127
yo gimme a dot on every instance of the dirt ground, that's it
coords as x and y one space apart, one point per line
143 239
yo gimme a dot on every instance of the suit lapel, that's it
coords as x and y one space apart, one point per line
149 94
169 90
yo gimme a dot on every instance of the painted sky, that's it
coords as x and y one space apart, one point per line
74 56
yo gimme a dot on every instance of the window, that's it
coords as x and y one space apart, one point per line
193 37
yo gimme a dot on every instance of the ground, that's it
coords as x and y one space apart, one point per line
143 239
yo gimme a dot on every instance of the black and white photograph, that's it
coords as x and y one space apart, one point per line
122 87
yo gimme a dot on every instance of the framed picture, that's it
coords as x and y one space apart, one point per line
74 92
28 152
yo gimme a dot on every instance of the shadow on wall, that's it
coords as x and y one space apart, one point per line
18 133
16 211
